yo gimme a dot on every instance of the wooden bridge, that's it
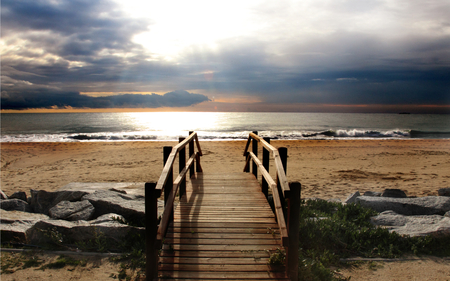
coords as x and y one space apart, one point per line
223 227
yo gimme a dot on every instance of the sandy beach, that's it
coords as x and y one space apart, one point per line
326 169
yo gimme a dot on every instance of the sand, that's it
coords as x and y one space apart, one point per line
326 169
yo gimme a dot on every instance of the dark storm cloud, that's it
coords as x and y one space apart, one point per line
52 99
56 49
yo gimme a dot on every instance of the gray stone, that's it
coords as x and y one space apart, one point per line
19 195
82 231
393 193
72 211
15 205
13 216
372 193
16 231
42 201
352 198
447 214
434 225
15 224
132 207
429 205
136 188
444 192
334 200
3 195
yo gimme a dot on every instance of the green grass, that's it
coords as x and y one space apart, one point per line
330 231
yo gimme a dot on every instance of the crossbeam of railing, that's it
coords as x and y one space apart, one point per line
287 215
154 233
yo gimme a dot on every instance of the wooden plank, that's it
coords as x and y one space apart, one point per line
220 268
221 241
217 254
214 260
268 275
198 235
187 247
224 230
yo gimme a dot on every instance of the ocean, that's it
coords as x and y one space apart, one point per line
161 126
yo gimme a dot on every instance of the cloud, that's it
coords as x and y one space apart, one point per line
51 99
376 52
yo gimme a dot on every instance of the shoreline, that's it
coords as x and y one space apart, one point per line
325 168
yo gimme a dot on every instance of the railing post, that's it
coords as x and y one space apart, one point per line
293 228
151 228
282 151
191 151
265 160
181 165
255 151
169 184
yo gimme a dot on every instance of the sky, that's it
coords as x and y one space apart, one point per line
310 55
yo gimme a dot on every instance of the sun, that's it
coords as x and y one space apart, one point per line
175 26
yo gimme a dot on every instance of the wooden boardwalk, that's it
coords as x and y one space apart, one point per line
223 228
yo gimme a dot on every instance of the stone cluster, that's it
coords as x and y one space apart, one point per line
76 215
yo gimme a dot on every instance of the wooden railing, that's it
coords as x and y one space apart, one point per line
282 191
154 234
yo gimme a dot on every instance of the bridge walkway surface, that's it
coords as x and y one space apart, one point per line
223 228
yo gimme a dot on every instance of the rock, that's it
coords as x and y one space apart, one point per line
447 214
104 227
42 201
19 195
131 207
72 211
429 205
15 205
13 216
334 200
393 193
15 224
444 192
3 195
435 225
352 198
16 231
372 193
118 190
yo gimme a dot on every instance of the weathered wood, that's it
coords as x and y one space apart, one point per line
293 229
266 164
255 152
181 167
263 275
151 221
167 154
191 152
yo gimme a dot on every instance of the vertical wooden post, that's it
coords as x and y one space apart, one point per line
181 165
255 151
293 230
151 228
265 160
247 168
191 151
169 184
283 156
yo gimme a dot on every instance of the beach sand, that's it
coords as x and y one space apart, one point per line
326 169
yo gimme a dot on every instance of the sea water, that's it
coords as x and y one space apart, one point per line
157 126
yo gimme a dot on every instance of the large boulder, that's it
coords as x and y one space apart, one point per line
105 227
444 192
15 205
435 225
15 224
394 193
131 207
352 198
430 205
72 211
42 201
372 193
19 195
3 196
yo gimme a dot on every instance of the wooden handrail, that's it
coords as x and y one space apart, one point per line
276 200
169 164
165 220
277 160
